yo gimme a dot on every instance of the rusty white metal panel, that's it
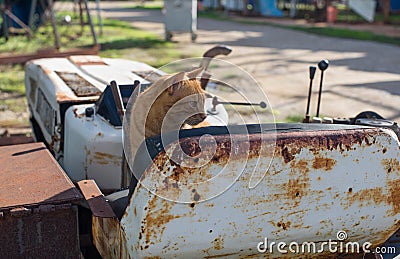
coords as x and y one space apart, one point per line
319 183
92 149
91 70
44 72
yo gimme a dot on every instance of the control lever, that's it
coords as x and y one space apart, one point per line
312 74
205 62
215 102
322 65
116 92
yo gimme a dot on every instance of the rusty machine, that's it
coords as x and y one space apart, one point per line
234 189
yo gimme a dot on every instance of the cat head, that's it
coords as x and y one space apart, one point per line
184 98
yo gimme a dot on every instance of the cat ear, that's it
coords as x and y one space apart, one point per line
175 80
194 73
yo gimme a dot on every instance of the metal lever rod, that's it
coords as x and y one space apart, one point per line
212 53
312 74
322 65
205 61
118 99
215 102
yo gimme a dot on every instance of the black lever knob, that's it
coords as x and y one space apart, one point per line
323 65
312 72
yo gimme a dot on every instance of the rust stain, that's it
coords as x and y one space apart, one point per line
324 163
287 156
62 97
86 60
301 166
283 225
156 219
394 195
287 145
391 165
76 114
218 243
99 134
45 70
75 111
377 196
104 158
297 188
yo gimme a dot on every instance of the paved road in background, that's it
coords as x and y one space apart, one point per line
362 75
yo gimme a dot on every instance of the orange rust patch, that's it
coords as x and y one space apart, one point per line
391 165
323 163
61 97
394 196
156 219
377 196
283 225
301 166
296 188
104 158
218 243
367 196
45 70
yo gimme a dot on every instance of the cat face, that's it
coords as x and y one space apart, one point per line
186 103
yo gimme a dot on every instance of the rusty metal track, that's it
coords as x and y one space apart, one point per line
46 53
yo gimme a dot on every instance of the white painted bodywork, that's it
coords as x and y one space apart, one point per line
319 183
92 149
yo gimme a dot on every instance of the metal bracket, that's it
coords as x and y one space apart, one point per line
96 200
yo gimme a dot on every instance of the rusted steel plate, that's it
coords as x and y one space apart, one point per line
21 165
96 200
319 183
41 234
78 84
15 140
46 53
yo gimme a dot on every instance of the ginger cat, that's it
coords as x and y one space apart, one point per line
169 104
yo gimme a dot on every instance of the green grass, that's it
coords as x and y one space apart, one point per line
116 35
294 118
12 79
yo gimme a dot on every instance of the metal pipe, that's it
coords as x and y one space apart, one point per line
312 74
